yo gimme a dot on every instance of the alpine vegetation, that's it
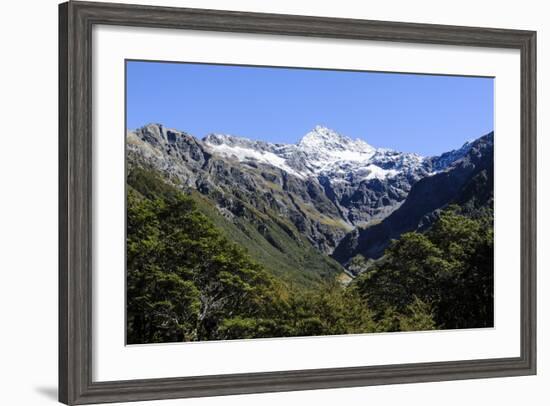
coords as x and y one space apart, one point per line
232 238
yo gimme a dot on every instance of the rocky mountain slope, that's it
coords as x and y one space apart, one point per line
466 181
362 182
296 202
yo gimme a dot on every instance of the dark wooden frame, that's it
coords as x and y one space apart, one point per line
75 203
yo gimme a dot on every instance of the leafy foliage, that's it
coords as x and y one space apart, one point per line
188 280
184 277
449 268
273 242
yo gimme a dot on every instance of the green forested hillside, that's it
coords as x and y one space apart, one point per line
272 241
449 267
188 280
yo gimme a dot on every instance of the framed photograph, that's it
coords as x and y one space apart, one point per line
257 202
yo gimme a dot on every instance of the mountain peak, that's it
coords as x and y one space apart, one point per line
160 133
217 139
321 134
324 138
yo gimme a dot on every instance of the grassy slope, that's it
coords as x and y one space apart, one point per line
292 258
269 239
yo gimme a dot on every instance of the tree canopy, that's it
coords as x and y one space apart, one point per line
187 281
450 267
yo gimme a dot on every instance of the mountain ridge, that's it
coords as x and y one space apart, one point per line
324 186
457 184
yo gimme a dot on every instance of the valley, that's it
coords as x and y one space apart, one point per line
305 210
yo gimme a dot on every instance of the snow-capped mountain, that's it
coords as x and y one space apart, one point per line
466 181
321 152
325 185
365 182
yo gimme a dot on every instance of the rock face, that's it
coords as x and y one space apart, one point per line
467 180
326 185
363 183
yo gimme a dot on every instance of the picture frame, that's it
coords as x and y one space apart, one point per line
76 20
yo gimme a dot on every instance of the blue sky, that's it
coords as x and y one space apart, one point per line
426 114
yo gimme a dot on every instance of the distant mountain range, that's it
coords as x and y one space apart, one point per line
296 207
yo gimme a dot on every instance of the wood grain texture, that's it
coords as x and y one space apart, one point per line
76 20
63 245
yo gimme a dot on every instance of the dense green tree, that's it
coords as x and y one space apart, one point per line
187 281
450 268
417 316
184 277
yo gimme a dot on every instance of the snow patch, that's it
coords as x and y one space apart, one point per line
246 154
322 151
375 172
